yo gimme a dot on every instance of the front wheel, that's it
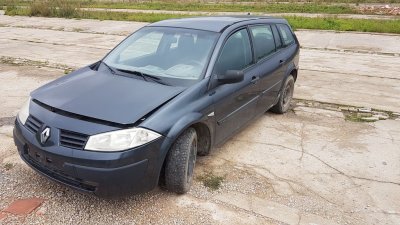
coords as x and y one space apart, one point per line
285 98
180 162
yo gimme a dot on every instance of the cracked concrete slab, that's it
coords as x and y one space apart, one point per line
261 206
72 25
221 213
349 89
351 41
352 166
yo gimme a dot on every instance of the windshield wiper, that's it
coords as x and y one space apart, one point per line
144 76
109 67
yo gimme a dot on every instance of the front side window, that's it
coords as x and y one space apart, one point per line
264 43
177 56
236 53
286 34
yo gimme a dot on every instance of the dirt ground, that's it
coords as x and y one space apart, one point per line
309 166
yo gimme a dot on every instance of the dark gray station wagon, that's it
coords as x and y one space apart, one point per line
167 93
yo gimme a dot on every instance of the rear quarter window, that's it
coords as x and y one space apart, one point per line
286 34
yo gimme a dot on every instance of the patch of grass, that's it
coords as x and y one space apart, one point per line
47 8
9 4
103 15
223 7
8 166
357 117
339 24
218 6
139 17
330 23
211 181
170 3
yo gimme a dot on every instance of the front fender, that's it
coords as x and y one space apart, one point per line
183 123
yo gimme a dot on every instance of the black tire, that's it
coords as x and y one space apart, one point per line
285 98
180 162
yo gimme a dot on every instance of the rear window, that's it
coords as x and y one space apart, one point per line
286 34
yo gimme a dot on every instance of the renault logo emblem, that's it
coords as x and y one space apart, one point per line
45 135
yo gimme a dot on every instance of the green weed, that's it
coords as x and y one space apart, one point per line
211 181
8 166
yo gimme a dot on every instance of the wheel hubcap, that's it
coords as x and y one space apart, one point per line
287 94
192 160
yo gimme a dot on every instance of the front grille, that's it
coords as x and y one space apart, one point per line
71 139
33 124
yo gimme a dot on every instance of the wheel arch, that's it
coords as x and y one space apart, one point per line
203 130
200 124
291 70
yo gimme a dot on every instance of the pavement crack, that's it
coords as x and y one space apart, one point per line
352 74
340 50
289 182
27 62
302 141
57 43
351 176
62 29
327 164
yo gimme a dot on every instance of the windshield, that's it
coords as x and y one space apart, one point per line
175 55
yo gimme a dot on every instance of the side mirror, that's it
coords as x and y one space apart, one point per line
231 76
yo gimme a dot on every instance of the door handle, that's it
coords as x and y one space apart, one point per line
255 79
282 61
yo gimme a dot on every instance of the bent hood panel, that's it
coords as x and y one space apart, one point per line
104 96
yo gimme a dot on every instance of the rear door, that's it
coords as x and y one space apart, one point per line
287 52
235 103
268 65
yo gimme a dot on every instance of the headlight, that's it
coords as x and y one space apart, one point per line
120 140
24 111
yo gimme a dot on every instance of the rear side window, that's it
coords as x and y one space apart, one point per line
278 41
264 43
236 53
286 34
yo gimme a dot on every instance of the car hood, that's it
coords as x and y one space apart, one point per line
104 96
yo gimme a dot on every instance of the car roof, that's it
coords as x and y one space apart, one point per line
214 23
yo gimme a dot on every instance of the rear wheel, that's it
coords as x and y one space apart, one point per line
180 162
285 98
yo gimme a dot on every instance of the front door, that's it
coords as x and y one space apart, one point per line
235 103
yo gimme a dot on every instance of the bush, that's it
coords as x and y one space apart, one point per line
55 8
40 8
10 5
67 8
